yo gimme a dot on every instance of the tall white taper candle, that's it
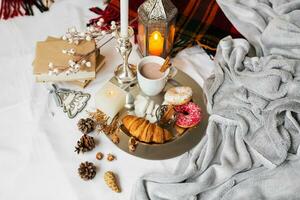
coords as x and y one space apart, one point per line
124 18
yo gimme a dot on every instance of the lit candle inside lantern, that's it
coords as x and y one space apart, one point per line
156 43
124 18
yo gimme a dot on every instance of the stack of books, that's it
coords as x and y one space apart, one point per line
57 60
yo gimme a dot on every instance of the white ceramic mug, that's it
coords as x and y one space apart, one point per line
152 87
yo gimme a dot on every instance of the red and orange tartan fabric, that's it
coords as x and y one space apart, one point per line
14 8
199 21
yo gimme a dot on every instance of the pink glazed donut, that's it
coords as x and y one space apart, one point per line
188 115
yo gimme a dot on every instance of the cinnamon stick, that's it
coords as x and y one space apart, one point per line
166 64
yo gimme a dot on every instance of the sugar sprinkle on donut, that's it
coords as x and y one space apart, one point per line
178 95
188 115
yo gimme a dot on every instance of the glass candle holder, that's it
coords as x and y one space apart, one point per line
156 28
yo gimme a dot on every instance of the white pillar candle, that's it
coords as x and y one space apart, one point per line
110 99
124 18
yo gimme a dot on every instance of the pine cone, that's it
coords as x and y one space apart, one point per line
86 143
86 125
87 170
111 181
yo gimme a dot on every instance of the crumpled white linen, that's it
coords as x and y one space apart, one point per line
36 147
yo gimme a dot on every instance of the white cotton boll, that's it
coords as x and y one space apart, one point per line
68 72
55 71
71 63
64 37
50 73
99 23
50 65
83 62
64 51
113 27
101 20
76 42
113 23
82 34
88 64
72 51
91 29
72 30
88 38
77 66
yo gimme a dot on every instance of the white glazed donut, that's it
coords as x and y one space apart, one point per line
178 95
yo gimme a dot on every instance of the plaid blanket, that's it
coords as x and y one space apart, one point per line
199 22
14 8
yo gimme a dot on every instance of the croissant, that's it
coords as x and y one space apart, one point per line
145 131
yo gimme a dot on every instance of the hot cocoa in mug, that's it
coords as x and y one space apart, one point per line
151 70
150 79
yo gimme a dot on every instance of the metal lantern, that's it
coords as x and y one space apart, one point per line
156 28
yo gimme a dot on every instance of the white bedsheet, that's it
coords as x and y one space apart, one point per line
37 159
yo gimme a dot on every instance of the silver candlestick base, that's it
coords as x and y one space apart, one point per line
125 72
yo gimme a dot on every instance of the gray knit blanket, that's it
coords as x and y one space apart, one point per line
251 147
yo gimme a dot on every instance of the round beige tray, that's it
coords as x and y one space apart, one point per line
181 143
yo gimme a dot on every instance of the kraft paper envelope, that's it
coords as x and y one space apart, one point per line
51 51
